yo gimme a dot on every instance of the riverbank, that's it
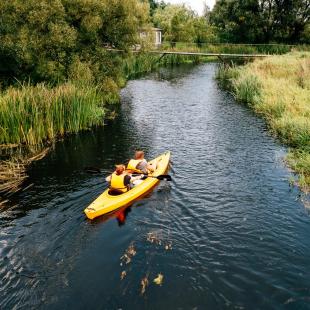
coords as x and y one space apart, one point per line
278 88
246 203
32 115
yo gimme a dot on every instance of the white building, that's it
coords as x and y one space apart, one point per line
152 34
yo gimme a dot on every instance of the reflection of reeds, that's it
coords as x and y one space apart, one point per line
13 172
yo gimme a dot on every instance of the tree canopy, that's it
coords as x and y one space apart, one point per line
55 40
181 24
262 21
47 40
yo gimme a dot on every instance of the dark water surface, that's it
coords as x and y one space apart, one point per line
240 236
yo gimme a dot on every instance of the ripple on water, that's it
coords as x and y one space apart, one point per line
236 235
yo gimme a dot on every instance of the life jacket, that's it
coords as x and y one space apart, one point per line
117 183
132 165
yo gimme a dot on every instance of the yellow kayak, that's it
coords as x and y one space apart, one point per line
107 203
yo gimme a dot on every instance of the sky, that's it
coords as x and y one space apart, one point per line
196 5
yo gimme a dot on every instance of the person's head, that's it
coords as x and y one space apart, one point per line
119 169
139 155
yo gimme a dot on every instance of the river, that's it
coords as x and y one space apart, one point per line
227 233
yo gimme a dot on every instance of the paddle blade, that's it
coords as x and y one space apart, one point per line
92 170
164 177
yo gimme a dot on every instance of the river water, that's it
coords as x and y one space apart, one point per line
228 232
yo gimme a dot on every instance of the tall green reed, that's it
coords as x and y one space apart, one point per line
33 114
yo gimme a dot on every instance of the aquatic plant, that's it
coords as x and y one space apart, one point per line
141 63
229 48
13 171
33 114
278 88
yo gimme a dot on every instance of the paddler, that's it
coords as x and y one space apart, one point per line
140 165
120 180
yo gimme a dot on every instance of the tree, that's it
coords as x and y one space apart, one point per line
42 39
204 32
261 21
177 22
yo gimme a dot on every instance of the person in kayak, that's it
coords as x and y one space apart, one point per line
120 180
140 165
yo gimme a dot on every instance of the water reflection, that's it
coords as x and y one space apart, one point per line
227 232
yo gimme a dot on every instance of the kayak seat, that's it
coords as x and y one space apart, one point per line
115 192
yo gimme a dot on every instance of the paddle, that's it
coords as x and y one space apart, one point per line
92 170
162 177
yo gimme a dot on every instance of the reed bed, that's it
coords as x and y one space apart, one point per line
33 114
140 64
228 48
13 172
278 88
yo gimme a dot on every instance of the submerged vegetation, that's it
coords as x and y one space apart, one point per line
278 88
13 171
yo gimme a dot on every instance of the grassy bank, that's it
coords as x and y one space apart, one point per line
140 64
236 48
278 88
33 114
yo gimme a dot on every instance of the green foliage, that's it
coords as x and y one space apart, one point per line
136 65
278 88
181 24
155 5
59 47
42 39
32 114
254 21
140 64
247 89
244 85
204 32
226 75
305 36
299 160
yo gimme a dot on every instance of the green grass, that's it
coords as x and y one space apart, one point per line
33 114
278 88
142 63
228 48
139 64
